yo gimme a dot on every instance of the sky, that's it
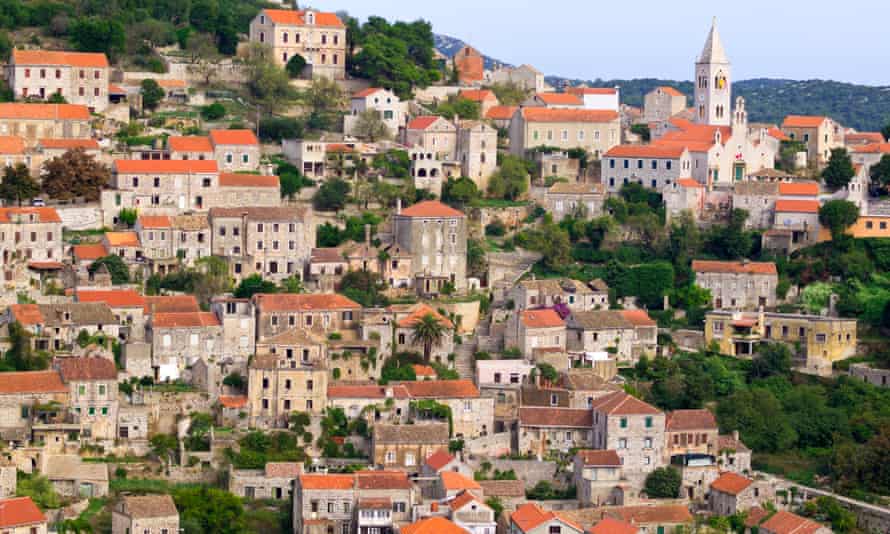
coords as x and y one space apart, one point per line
588 39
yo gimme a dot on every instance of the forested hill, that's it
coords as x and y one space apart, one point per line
866 108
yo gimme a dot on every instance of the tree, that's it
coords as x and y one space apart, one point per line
96 34
295 66
393 164
759 417
75 174
292 284
152 94
838 215
395 56
120 273
267 84
213 112
40 490
427 331
18 185
163 446
840 169
459 192
204 509
236 381
21 356
370 126
663 483
128 216
203 55
552 241
772 359
880 172
252 285
332 195
511 180
509 93
325 99
364 287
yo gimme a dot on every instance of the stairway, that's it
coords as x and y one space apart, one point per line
464 362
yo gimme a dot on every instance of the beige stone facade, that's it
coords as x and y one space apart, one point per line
565 199
545 293
433 133
436 237
318 313
662 103
633 429
319 37
34 122
477 151
738 285
278 386
147 514
819 134
81 78
596 131
406 446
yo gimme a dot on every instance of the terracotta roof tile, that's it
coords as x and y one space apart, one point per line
638 317
69 144
654 150
503 488
283 469
609 525
797 206
670 91
731 483
122 239
439 459
423 122
423 371
233 137
864 138
452 481
642 515
247 180
116 298
383 480
536 114
348 391
755 516
148 506
501 113
326 482
190 143
738 267
430 208
27 314
32 382
419 312
873 148
365 93
150 222
172 304
803 121
10 110
282 213
477 95
172 84
303 302
778 134
555 417
433 389
689 420
806 189
47 57
464 498
90 368
298 18
783 522
546 318
167 166
529 516
621 403
600 458
233 401
433 525
559 99
19 512
184 320
376 503
327 255
44 215
12 144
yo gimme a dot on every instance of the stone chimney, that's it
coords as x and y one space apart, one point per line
399 206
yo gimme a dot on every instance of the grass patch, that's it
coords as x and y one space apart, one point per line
800 468
498 203
146 485
174 388
96 505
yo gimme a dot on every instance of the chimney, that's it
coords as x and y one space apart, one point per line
368 234
399 206
735 435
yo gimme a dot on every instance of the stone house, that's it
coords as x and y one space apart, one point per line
452 483
327 267
484 97
12 153
652 519
477 151
596 131
55 327
274 481
536 330
554 101
503 373
168 241
190 147
662 103
525 76
435 235
434 134
132 423
178 340
127 305
125 245
783 522
565 199
598 478
469 512
34 122
21 516
819 135
383 101
500 116
406 446
165 187
597 97
545 293
732 493
235 150
657 165
553 429
870 375
427 170
81 78
238 319
30 397
278 386
470 65
406 318
72 477
320 313
510 492
799 219
740 285
759 200
472 415
733 455
690 432
530 518
684 195
28 236
633 429
150 514
275 243
308 156
93 395
318 37
389 403
442 460
628 334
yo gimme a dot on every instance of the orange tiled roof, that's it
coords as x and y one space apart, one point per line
423 122
115 89
172 84
455 389
172 304
539 416
803 121
731 483
600 458
366 92
166 166
92 368
116 298
27 314
19 512
559 99
47 57
546 318
456 481
739 267
377 480
778 134
155 221
535 114
298 18
755 516
70 144
609 525
439 459
11 110
326 482
233 401
529 516
592 91
804 189
621 403
348 391
638 317
419 312
797 206
44 215
501 113
654 150
189 143
184 320
303 302
872 148
670 91
12 144
667 513
689 420
783 522
462 499
864 137
233 137
423 371
89 252
122 239
247 180
32 382
430 208
689 182
433 525
477 95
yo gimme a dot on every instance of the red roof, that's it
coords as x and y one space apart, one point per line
366 391
122 239
501 113
423 122
298 18
803 121
737 267
433 525
689 182
433 389
90 368
778 134
638 317
166 166
172 84
152 222
247 180
89 252
804 189
70 144
872 148
530 516
797 206
12 144
184 320
655 150
419 312
644 514
367 92
682 420
864 137
233 401
609 525
303 302
535 114
10 110
233 137
423 371
172 304
731 483
546 318
326 482
670 91
592 90
46 265
600 458
191 143
430 208
439 459
621 403
456 481
19 512
117 298
27 314
464 498
477 95
378 480
32 382
44 215
559 99
539 416
783 522
46 57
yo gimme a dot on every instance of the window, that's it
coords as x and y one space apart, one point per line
554 399
623 422
555 529
331 506
647 443
390 457
622 443
409 459
648 422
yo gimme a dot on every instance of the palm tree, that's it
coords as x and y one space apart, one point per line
428 331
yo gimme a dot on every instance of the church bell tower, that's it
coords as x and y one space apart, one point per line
713 83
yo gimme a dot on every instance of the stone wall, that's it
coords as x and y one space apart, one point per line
490 445
83 217
875 377
531 471
512 217
468 312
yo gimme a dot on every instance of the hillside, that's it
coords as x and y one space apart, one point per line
866 108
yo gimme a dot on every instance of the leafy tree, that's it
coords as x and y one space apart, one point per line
393 164
509 93
213 112
370 126
325 99
39 488
291 180
511 180
332 195
496 506
496 228
267 84
295 66
758 416
663 483
732 241
128 216
838 215
236 381
163 446
461 108
75 174
880 172
395 56
120 273
292 284
459 192
21 356
252 285
277 128
427 331
551 241
203 55
475 257
364 287
56 98
17 184
828 508
204 509
152 94
772 359
97 34
840 169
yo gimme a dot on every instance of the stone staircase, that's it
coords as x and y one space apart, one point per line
463 358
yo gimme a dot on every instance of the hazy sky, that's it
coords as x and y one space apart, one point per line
589 39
